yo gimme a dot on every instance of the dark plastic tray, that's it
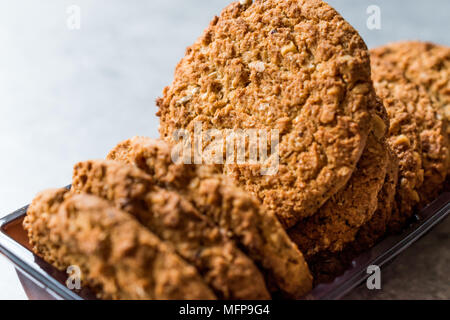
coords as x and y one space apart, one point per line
41 281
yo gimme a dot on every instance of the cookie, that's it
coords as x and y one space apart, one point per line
403 138
154 157
426 64
430 125
118 257
295 66
258 233
37 227
227 270
327 265
339 220
376 227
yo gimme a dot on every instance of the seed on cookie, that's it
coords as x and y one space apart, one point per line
245 2
290 48
379 126
185 99
258 66
402 140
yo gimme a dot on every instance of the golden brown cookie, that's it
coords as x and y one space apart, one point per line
337 223
404 138
37 225
258 232
327 265
295 66
118 257
376 227
426 64
431 127
228 271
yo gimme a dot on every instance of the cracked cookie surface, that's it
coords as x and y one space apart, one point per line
376 227
258 232
426 64
337 223
327 265
431 127
404 141
227 270
294 66
118 258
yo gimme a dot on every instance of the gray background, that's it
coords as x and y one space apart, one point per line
67 96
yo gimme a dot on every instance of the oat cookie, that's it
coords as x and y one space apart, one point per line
327 265
426 64
403 139
35 223
118 257
228 271
258 232
296 66
431 127
376 227
337 223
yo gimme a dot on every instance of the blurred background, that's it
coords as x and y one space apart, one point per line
69 94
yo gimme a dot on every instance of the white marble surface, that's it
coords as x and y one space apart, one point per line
69 95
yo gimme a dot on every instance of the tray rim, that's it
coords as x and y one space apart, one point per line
24 260
425 221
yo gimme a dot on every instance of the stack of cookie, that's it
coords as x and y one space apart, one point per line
142 227
362 144
413 81
359 150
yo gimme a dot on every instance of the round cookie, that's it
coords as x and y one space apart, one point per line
327 265
376 227
258 233
426 64
174 219
404 140
295 66
119 258
338 221
430 125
